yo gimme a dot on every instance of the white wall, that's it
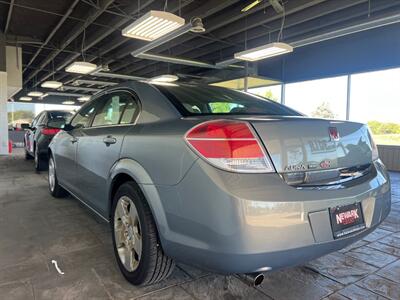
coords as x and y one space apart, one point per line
3 114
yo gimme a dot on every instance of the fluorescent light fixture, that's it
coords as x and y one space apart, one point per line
162 83
165 78
24 98
51 84
35 94
153 25
251 5
264 51
68 102
84 98
81 67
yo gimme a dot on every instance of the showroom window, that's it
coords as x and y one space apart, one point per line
374 99
322 98
272 92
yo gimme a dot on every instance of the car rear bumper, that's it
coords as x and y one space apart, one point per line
242 223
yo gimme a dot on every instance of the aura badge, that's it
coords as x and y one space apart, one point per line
334 134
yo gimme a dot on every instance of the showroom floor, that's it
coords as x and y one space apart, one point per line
36 229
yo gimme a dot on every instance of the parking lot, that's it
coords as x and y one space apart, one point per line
37 229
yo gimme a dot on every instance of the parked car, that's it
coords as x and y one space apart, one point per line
218 179
39 134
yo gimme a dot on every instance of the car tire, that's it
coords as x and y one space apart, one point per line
27 155
55 189
40 163
131 215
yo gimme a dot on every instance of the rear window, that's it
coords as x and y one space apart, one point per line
209 100
57 119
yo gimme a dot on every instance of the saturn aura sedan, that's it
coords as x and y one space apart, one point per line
218 179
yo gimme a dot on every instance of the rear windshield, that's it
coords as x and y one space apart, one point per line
58 118
210 100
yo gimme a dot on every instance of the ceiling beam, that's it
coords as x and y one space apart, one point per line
99 37
203 10
214 22
73 34
241 25
32 8
334 26
10 9
53 32
12 39
176 5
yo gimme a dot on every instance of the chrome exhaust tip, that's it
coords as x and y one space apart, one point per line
252 279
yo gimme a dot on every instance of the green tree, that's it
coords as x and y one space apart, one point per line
384 128
220 107
269 95
323 111
265 94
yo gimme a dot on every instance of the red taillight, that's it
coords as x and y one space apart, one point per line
230 145
50 131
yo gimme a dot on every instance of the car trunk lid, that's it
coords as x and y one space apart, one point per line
297 144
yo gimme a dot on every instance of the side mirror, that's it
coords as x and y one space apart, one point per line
67 127
25 126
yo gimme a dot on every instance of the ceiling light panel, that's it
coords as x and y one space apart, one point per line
68 102
24 98
165 78
84 98
51 84
81 67
35 94
153 25
264 51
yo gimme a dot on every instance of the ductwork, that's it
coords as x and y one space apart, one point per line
78 82
118 76
80 88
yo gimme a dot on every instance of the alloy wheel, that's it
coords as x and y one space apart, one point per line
52 175
36 158
127 231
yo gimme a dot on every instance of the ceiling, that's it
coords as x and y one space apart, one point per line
53 34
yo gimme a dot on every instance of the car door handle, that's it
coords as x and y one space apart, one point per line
73 140
109 140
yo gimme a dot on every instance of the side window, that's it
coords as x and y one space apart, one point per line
42 120
130 111
83 117
117 107
35 120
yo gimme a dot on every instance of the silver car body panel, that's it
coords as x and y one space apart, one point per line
211 218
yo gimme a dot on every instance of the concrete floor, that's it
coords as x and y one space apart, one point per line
36 229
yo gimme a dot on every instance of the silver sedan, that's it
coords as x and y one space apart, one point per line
218 179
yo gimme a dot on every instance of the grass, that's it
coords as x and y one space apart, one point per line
387 139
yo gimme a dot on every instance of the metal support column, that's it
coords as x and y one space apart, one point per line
3 98
348 97
283 86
